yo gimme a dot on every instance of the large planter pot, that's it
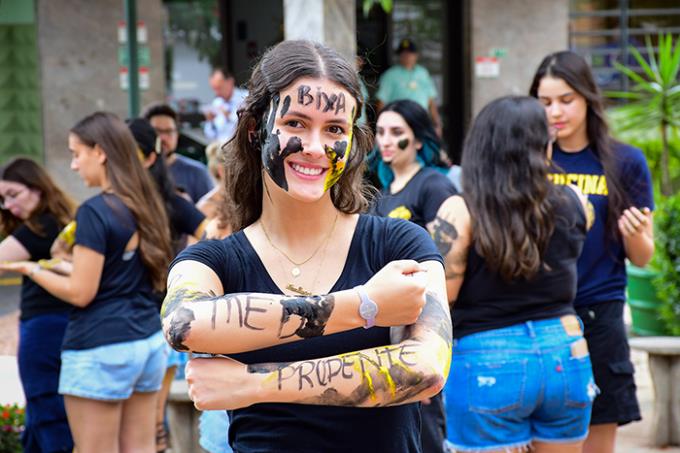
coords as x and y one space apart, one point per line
643 302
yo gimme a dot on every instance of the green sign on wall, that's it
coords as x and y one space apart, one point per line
17 12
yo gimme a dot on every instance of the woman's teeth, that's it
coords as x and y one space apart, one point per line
306 170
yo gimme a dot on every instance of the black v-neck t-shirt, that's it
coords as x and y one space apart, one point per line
307 428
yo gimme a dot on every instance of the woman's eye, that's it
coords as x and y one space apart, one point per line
293 123
336 130
567 100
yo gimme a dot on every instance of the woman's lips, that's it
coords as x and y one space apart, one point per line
307 171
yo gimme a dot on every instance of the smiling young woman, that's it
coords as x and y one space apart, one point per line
286 296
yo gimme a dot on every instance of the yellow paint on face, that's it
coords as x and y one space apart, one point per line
338 166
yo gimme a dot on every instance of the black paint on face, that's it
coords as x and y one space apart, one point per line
304 98
403 143
272 154
323 101
285 106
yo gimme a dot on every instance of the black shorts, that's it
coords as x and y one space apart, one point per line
610 356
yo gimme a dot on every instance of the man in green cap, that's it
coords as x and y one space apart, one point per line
409 80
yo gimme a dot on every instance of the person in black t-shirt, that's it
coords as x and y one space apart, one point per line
334 324
32 211
520 372
185 221
113 354
412 190
406 160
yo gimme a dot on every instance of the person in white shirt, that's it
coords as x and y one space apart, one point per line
221 116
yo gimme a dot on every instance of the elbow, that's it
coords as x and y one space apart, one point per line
176 328
81 300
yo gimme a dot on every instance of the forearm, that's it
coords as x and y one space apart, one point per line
639 248
233 323
384 376
411 370
59 286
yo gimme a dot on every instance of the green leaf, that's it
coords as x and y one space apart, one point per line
643 63
386 5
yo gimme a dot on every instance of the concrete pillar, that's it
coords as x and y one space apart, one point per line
330 22
78 47
526 31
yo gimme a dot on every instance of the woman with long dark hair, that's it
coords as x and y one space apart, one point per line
520 372
33 209
113 357
405 159
302 296
616 179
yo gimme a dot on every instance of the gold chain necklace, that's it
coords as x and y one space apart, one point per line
296 266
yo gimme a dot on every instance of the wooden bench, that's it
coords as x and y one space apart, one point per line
664 368
183 419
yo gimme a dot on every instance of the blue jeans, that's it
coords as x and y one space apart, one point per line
46 427
510 386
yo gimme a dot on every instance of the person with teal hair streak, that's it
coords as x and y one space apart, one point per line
406 162
413 189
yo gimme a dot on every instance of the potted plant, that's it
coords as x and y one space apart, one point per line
651 121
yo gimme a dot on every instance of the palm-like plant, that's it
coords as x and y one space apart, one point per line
655 104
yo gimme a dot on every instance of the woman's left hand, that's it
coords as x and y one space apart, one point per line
220 383
634 221
21 267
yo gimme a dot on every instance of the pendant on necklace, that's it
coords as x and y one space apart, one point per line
298 289
296 272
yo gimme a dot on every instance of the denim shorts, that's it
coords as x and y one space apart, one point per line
112 372
511 386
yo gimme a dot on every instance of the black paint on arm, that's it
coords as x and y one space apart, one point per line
445 235
314 312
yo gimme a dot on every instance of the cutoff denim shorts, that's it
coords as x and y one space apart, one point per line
518 384
112 372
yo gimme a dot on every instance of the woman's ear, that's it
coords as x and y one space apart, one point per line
101 155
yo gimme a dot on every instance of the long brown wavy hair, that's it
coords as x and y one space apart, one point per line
279 67
53 200
506 186
133 185
576 73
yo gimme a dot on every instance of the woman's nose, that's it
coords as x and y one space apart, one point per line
314 147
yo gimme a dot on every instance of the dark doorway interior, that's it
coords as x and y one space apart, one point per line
439 29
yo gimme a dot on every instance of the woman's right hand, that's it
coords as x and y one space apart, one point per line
398 290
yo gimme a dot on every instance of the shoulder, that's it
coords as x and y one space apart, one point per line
93 205
421 70
454 207
219 255
188 162
628 154
391 73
